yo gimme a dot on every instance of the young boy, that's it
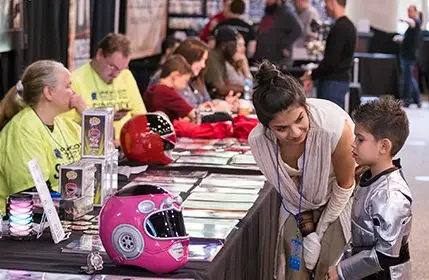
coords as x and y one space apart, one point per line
381 214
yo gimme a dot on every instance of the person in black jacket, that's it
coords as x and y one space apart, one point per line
409 43
333 73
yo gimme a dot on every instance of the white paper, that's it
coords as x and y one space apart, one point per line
127 170
57 231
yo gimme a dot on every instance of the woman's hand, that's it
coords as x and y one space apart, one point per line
206 106
222 106
239 57
232 99
77 102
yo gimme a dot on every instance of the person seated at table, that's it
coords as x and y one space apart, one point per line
195 93
164 97
216 76
31 127
237 67
106 81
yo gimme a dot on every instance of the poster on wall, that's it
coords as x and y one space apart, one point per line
10 24
146 26
79 33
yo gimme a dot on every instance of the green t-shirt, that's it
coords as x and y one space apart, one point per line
26 137
122 93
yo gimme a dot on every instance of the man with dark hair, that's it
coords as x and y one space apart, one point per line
105 81
237 23
333 73
278 30
409 43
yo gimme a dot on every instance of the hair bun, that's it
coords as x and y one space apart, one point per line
267 73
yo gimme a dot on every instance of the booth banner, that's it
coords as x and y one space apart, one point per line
79 46
146 26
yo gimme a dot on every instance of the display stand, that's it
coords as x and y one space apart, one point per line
49 212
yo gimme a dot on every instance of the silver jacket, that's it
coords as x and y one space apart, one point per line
381 224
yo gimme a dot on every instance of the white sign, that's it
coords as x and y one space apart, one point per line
146 26
57 231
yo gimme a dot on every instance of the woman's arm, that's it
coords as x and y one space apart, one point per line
342 159
344 167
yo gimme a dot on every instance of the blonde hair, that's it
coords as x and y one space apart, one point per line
27 92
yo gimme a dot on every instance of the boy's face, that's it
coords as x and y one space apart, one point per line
366 149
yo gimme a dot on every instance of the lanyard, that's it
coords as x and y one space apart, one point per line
297 216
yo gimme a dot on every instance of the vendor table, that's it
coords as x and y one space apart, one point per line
248 252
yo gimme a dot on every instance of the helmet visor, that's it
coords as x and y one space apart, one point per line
166 224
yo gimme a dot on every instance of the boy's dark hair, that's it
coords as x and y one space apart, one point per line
175 63
384 118
238 7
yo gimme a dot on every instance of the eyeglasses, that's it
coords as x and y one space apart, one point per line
112 67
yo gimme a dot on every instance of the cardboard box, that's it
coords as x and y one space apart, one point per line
73 209
77 180
97 132
106 176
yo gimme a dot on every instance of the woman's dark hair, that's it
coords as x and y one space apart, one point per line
228 50
275 92
193 50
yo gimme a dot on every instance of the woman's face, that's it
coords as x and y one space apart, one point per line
291 126
241 45
199 65
60 95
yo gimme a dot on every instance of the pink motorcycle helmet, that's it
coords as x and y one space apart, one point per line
142 225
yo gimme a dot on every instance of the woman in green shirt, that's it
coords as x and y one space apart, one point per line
30 127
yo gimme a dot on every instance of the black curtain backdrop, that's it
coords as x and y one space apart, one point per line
46 24
102 21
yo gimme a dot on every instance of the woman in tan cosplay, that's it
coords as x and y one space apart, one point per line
303 147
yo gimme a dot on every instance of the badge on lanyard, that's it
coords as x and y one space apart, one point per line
295 254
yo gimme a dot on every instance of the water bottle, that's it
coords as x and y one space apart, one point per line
248 88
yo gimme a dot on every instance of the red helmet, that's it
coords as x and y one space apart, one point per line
148 138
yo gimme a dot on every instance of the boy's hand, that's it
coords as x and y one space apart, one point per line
332 273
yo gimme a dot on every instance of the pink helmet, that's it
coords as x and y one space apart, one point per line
142 225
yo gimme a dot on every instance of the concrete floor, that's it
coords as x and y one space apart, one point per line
415 162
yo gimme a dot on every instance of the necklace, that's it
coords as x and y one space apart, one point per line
56 151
